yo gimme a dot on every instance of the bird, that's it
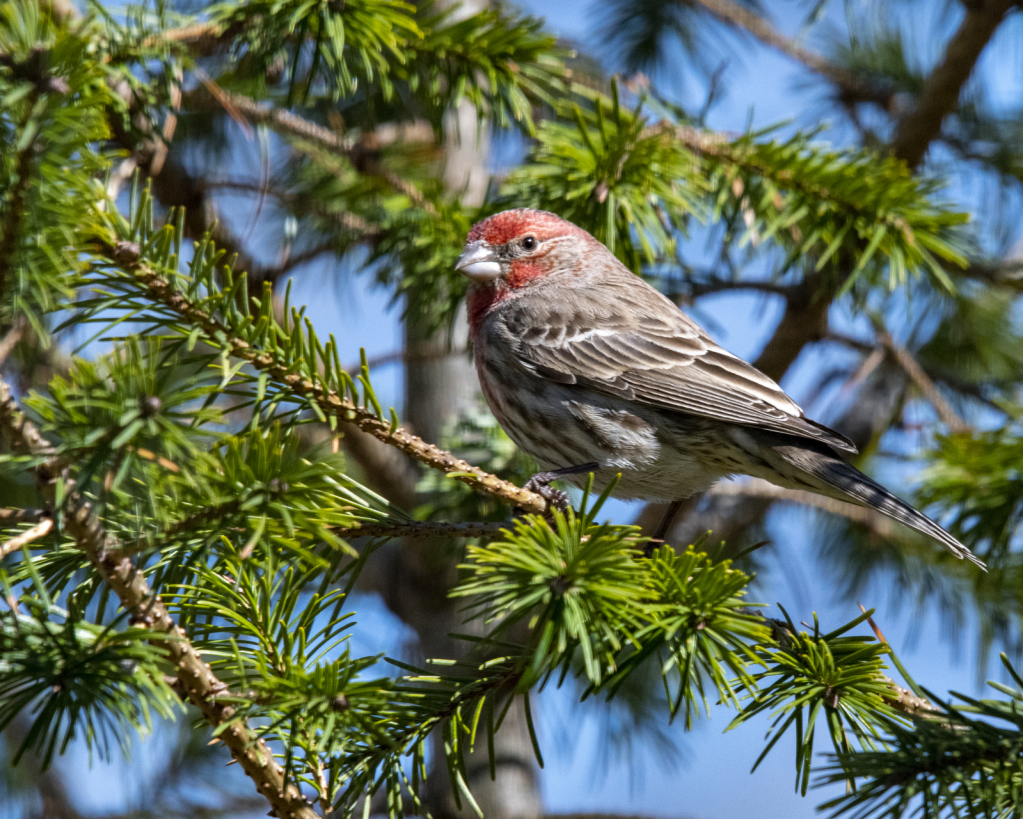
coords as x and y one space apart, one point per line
589 369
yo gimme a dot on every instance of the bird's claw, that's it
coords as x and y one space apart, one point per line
557 499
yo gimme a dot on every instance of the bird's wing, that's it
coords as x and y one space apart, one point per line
633 343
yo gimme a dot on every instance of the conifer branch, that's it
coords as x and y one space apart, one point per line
201 39
854 87
130 585
743 155
12 517
126 256
899 698
411 529
805 319
424 529
922 124
41 529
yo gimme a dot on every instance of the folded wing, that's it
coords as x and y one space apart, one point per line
652 353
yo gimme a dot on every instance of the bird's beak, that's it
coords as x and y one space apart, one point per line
478 262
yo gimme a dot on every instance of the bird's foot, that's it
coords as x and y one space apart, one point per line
540 483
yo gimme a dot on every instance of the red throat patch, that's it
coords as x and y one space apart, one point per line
483 297
500 229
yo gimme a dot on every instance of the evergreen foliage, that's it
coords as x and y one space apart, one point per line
187 531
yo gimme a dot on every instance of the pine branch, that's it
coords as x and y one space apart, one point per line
41 529
201 39
744 156
126 256
854 87
411 529
423 529
940 96
910 704
805 319
130 585
899 698
12 517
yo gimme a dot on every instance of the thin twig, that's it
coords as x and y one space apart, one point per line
853 86
698 289
274 274
923 382
328 400
412 529
326 803
129 583
743 155
41 529
346 220
202 39
192 522
423 529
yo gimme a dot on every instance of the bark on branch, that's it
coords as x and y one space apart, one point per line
41 529
159 290
130 585
12 517
424 529
940 96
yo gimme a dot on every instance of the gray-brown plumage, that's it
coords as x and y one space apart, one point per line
581 361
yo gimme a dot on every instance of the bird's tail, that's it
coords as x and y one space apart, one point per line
830 475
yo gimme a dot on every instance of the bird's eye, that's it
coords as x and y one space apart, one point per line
529 243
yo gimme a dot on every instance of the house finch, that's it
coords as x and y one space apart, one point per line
587 367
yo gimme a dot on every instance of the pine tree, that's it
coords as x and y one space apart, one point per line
183 533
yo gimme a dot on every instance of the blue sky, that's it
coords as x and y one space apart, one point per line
712 782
